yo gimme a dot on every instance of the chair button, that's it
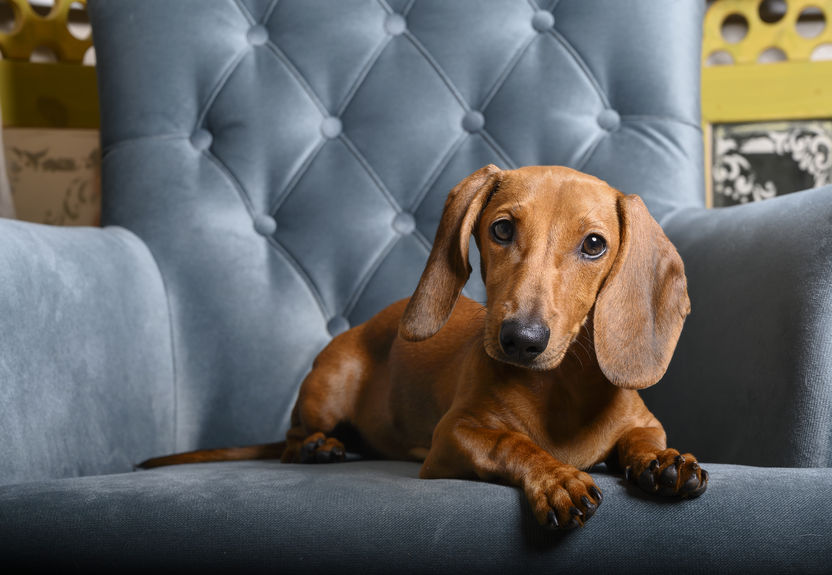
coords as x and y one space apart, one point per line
609 120
395 24
265 225
257 35
338 324
543 20
404 223
331 127
473 121
201 140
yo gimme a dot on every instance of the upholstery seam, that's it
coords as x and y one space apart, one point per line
434 175
305 277
302 274
245 12
576 57
370 274
362 75
489 139
426 243
659 118
238 187
509 69
438 69
139 139
657 136
290 67
219 86
267 16
590 152
297 177
370 171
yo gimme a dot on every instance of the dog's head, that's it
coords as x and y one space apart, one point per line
557 248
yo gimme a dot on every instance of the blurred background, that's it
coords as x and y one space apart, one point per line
766 105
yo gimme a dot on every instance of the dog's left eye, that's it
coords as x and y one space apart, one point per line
594 246
502 231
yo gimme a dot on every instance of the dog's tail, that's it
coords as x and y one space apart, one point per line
249 452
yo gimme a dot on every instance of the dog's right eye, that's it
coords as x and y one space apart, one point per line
502 231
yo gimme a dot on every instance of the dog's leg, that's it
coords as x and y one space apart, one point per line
561 496
316 447
327 398
648 463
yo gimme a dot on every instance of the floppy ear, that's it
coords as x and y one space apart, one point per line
643 302
448 269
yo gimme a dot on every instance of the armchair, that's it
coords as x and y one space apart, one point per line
273 173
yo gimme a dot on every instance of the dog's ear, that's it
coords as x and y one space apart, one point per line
643 302
448 269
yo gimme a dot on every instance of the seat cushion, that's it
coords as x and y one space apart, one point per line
379 517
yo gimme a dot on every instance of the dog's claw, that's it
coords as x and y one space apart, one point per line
647 481
553 519
596 494
589 505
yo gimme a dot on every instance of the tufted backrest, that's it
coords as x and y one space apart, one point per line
287 161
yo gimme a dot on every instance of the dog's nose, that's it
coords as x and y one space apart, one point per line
523 341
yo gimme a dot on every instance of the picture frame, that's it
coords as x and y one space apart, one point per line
766 98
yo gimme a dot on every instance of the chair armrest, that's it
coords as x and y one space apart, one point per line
751 379
86 376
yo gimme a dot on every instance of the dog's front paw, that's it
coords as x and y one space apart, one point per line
563 499
668 473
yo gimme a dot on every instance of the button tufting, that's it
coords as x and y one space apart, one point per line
265 225
609 120
338 324
257 35
395 24
473 121
331 127
543 20
404 223
201 140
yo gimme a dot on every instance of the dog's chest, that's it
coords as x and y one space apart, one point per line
582 429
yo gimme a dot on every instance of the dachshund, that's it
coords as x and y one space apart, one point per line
586 298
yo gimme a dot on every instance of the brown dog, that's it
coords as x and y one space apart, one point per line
586 300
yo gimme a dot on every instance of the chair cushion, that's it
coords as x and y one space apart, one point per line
379 517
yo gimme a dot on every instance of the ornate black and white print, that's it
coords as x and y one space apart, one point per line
760 160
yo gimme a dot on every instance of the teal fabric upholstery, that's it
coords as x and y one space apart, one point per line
273 173
751 379
379 517
86 373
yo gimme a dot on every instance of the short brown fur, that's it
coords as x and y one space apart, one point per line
427 379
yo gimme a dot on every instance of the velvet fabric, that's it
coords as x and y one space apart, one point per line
86 372
751 379
379 517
